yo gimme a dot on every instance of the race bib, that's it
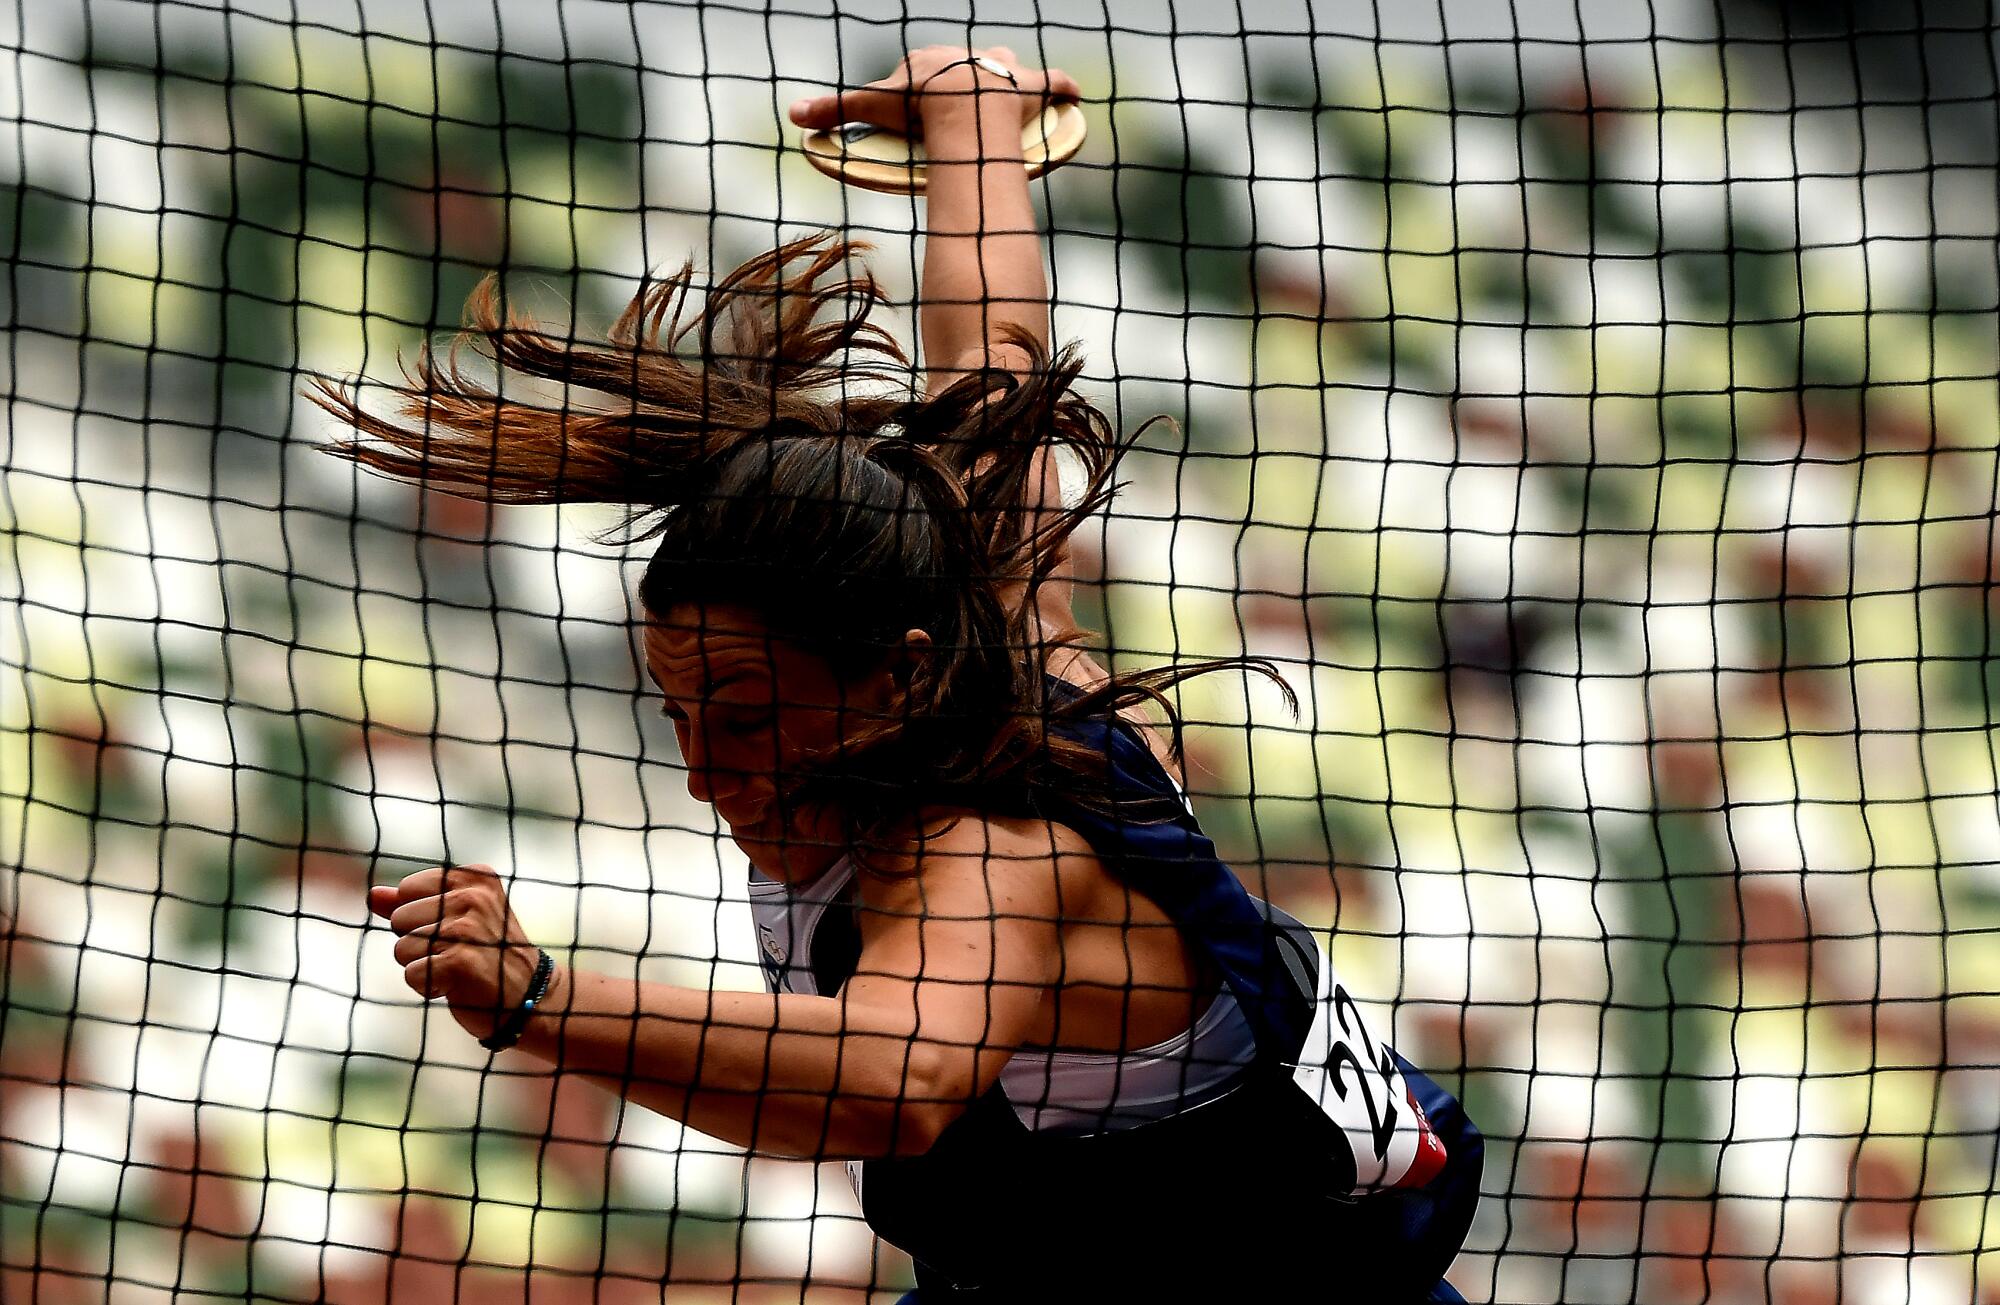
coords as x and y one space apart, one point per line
1354 1077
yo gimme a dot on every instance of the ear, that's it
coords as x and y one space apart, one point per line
885 685
906 659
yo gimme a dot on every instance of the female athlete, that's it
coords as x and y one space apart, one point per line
1066 1054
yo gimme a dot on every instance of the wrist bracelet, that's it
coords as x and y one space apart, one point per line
980 61
510 1029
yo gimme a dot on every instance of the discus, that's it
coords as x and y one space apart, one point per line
873 158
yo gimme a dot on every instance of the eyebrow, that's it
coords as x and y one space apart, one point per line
709 687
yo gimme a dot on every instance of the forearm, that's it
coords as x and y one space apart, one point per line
786 1074
983 255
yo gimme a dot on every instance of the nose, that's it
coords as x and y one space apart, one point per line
707 782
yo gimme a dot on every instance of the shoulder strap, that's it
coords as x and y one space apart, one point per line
1175 865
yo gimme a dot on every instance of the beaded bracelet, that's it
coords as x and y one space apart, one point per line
982 62
516 1023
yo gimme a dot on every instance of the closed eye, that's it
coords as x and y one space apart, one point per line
731 724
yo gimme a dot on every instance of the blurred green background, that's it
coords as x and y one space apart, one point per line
1597 426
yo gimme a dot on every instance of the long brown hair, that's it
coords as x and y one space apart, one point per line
769 442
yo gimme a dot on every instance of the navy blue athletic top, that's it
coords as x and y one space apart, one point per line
1277 1146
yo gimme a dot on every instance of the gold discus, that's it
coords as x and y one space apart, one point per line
876 159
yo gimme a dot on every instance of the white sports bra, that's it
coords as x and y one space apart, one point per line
1068 1092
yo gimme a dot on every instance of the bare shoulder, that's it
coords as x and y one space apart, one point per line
969 864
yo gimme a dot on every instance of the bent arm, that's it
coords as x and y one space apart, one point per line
951 979
787 1074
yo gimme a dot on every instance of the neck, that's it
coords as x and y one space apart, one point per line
799 856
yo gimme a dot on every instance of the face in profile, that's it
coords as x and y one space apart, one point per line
751 709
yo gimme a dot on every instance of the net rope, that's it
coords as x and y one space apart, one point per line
1591 411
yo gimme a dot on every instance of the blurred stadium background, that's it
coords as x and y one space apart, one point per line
1592 407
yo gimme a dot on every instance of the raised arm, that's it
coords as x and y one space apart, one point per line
955 964
982 276
982 272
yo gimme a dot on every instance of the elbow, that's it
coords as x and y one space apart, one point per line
935 1088
918 1127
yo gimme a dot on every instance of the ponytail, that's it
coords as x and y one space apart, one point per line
685 387
767 441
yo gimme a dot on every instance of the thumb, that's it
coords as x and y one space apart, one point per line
817 112
884 107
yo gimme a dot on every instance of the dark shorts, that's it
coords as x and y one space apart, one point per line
1393 1246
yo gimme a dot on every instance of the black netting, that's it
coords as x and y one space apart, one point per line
1590 410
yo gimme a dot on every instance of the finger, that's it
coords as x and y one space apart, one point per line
1062 86
825 112
419 943
426 977
1003 53
413 915
433 886
877 105
424 883
438 878
446 936
382 899
460 876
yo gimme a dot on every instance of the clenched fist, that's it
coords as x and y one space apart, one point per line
458 939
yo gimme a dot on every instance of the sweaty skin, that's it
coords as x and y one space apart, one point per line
987 936
746 705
